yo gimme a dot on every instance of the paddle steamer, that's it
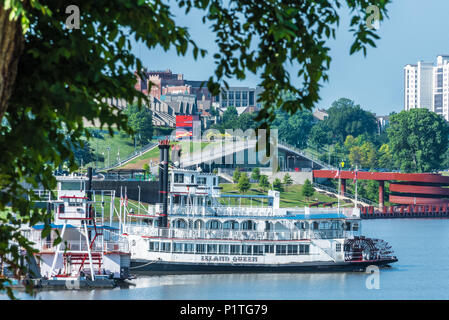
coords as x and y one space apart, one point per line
193 230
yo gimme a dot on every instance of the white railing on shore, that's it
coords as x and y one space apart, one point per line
347 195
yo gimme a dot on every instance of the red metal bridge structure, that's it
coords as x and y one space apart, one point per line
411 194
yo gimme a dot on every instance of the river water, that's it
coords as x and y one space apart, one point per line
422 272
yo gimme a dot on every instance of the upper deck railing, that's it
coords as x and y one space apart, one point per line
249 211
203 234
81 246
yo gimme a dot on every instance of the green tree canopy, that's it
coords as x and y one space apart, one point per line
287 180
255 174
236 175
244 183
140 121
277 184
294 129
418 140
346 118
263 182
307 189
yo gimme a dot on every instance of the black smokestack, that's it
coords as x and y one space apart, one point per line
164 147
89 184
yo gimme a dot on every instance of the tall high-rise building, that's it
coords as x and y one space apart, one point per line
427 85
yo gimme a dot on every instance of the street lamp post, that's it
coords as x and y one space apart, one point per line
109 148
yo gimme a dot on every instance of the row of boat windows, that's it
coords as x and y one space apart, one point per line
250 225
234 249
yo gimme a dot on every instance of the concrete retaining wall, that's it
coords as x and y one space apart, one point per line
297 177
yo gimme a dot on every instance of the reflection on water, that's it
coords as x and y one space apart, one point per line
422 273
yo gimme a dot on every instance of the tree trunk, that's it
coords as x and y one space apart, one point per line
11 46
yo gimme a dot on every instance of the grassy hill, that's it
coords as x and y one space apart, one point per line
290 196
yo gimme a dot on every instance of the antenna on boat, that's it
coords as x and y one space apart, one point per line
339 187
355 181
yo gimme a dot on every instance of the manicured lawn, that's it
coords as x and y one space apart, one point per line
120 145
290 196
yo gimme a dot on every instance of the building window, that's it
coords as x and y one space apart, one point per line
338 247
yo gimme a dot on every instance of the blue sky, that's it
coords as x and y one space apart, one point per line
416 30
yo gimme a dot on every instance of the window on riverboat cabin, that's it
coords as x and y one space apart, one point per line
292 249
199 224
303 249
258 250
211 248
189 247
223 249
324 225
315 225
248 225
335 225
234 225
202 180
180 224
281 250
165 246
177 247
200 248
246 249
213 224
154 246
179 178
355 227
269 248
235 249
